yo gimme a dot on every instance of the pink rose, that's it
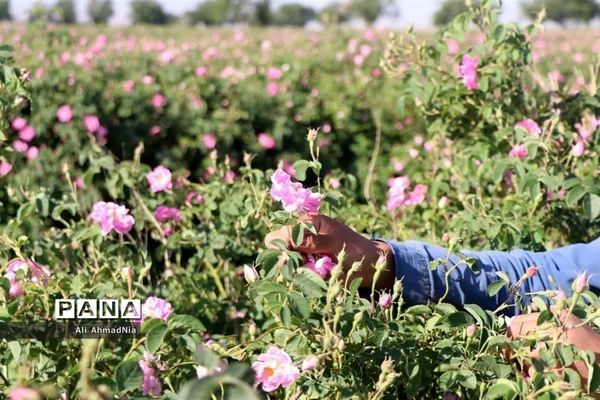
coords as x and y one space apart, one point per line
164 213
201 72
91 122
293 196
519 151
530 126
19 123
273 369
19 269
385 301
322 265
158 101
155 308
27 133
20 146
468 71
209 140
266 141
32 153
160 179
112 216
5 168
23 393
453 46
64 114
272 89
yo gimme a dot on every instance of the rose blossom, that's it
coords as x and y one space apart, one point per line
112 216
385 301
150 383
19 123
32 153
160 179
293 196
209 141
23 393
266 141
468 71
35 272
91 122
530 126
322 265
158 101
155 308
273 369
5 168
518 151
64 113
27 133
164 213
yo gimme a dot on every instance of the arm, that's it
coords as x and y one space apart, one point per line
410 261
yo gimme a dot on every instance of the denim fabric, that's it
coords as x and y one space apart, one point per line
422 284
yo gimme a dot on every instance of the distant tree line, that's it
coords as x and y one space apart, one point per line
260 12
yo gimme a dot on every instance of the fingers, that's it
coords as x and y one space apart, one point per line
310 243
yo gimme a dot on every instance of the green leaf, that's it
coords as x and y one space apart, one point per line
128 375
300 167
593 206
155 337
455 320
267 287
574 195
467 379
298 234
299 305
502 389
593 378
309 283
495 287
185 321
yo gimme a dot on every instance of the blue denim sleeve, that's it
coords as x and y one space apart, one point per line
422 284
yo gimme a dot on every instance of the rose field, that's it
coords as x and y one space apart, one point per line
150 163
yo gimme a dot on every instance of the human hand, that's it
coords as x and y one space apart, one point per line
573 331
333 236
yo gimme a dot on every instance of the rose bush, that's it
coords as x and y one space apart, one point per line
152 169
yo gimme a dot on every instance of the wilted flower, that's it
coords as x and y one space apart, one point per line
292 195
159 179
468 71
385 301
273 369
112 216
322 265
309 363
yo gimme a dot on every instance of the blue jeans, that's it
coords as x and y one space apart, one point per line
422 284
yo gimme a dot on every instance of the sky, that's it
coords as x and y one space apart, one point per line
416 12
